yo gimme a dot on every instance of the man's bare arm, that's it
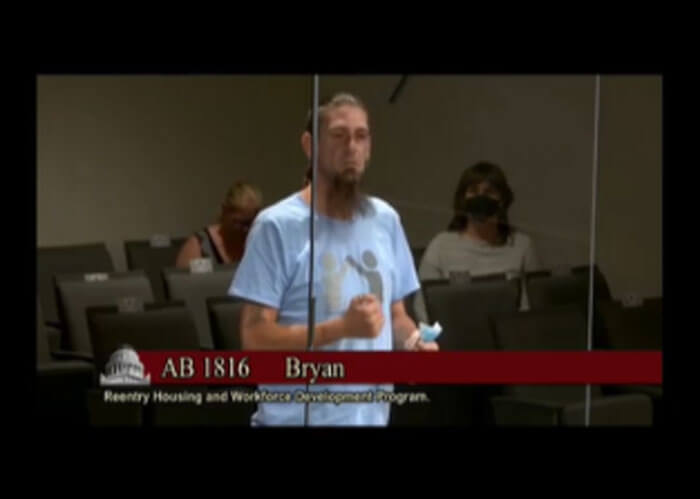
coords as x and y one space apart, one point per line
405 330
260 331
403 325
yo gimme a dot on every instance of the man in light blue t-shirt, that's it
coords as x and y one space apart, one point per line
363 268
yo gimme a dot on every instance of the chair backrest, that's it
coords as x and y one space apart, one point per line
633 327
601 289
545 289
161 326
555 328
142 255
42 341
463 309
194 289
225 320
60 260
76 294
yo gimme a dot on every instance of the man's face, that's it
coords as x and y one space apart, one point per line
344 144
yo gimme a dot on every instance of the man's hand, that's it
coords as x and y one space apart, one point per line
430 346
364 318
415 344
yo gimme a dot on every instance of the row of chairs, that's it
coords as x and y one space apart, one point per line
482 314
151 256
83 316
155 255
170 326
493 294
468 304
75 294
67 381
461 304
162 326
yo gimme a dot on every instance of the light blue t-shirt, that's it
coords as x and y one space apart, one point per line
369 254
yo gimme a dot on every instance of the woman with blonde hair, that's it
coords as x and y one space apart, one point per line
224 242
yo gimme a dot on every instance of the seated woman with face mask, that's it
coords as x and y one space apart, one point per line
479 239
224 242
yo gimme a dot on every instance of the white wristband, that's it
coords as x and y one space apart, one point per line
412 340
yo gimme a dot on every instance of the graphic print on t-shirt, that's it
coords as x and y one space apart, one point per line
334 278
374 277
333 281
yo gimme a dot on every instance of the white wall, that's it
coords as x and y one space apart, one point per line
124 157
538 128
629 222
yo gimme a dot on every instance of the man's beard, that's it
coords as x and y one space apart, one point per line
345 195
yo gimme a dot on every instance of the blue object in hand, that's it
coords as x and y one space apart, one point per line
429 333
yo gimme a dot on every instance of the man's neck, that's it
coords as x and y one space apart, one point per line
323 205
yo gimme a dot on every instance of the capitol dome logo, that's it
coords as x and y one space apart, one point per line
124 368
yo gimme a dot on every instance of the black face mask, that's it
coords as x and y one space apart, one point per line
481 207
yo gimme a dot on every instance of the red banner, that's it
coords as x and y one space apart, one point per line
501 368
